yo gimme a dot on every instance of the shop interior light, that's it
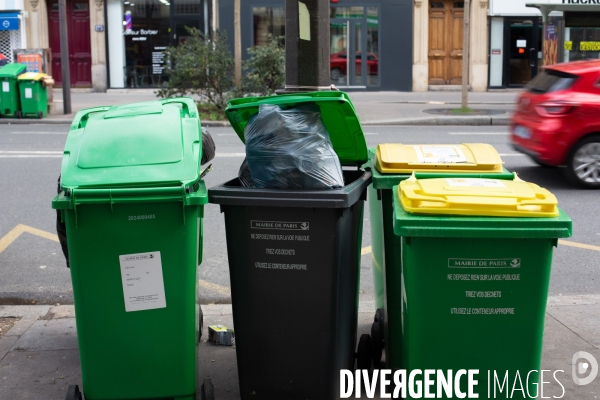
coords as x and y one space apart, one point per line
126 3
124 23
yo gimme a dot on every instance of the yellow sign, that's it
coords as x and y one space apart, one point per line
568 45
589 46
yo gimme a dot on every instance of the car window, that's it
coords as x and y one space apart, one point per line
550 81
371 58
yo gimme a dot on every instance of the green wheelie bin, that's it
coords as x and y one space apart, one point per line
133 201
476 262
392 163
10 104
34 96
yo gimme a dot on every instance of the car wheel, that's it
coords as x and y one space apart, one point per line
336 73
583 164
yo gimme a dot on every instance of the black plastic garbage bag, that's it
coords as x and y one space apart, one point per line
290 149
244 175
208 147
61 230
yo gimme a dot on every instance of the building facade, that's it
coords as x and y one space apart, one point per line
370 42
525 35
13 33
438 44
112 43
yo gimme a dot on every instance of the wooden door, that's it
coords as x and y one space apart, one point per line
78 27
445 42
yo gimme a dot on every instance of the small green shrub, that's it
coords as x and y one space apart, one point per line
200 66
264 71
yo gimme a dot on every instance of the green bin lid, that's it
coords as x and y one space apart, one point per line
337 112
155 143
12 70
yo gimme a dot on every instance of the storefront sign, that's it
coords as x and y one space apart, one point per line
521 43
9 21
589 46
496 51
141 32
568 45
99 28
158 60
33 61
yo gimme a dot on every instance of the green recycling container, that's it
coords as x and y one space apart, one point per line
481 160
34 97
10 104
133 204
476 262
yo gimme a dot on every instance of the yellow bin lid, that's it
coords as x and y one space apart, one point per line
476 196
32 76
397 158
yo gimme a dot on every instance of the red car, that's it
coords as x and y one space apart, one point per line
338 64
557 121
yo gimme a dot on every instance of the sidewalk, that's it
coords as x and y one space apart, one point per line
374 108
39 356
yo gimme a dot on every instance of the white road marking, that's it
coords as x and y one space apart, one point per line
511 154
230 155
39 133
477 133
29 152
371 133
29 156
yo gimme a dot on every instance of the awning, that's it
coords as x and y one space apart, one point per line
546 7
9 21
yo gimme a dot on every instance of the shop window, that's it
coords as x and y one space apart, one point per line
437 4
268 20
459 4
347 12
373 46
585 43
187 7
146 26
80 6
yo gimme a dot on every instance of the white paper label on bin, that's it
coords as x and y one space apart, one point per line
475 182
143 284
28 93
5 86
440 154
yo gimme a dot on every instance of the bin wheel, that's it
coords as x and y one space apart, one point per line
377 339
200 324
73 393
19 114
379 315
40 115
364 354
207 391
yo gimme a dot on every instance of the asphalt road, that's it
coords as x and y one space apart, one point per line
32 267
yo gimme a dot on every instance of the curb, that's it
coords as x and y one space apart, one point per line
446 121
